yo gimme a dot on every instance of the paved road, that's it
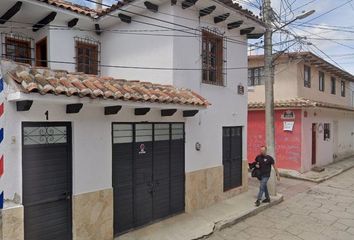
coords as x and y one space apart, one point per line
309 212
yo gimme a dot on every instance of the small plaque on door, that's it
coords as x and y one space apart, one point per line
142 149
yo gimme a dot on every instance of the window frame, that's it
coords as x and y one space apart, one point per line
253 79
307 82
333 85
93 64
212 69
321 81
16 41
326 131
342 88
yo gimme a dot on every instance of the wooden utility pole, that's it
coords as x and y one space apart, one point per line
269 89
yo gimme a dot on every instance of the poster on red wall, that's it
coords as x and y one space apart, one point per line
288 126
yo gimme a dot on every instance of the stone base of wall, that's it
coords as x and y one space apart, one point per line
93 215
205 187
12 223
341 156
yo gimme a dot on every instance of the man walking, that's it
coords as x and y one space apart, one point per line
264 163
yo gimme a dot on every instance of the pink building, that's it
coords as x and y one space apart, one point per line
314 114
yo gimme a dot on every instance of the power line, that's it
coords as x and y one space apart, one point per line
311 33
125 66
157 19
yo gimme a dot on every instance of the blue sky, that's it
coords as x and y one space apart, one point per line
330 29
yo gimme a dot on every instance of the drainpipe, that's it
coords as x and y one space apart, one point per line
99 5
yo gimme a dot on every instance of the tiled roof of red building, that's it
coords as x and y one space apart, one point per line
298 103
57 82
93 13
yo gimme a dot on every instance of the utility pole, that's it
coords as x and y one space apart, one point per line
269 89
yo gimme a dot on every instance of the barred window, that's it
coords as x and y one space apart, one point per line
18 49
333 85
212 54
255 76
87 57
342 88
326 131
307 76
321 79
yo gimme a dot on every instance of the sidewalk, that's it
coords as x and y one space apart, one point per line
330 171
201 223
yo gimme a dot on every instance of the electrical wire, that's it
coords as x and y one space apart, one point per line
327 12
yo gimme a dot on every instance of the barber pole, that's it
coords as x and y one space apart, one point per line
2 144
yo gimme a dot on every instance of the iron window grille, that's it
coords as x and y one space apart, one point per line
321 80
214 58
333 85
307 76
326 131
17 47
44 135
255 76
342 88
88 55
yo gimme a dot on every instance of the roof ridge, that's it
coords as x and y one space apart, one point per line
96 14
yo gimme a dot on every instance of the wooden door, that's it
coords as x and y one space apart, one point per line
314 143
47 181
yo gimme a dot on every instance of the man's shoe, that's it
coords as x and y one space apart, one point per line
267 200
257 203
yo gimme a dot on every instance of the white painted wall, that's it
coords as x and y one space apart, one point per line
129 49
227 109
91 129
61 46
91 137
340 144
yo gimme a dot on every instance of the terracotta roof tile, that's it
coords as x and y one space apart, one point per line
299 103
46 81
96 14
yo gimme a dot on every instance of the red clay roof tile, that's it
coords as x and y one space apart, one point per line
298 103
96 14
47 81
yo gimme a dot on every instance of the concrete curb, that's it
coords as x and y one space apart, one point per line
242 216
318 180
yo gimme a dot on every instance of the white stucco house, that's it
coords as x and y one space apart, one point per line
116 118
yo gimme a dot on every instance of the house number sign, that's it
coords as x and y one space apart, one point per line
142 149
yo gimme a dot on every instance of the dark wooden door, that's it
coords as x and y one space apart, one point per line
47 181
143 174
161 171
314 143
232 157
148 173
122 177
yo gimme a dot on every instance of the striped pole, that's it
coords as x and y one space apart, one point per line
2 144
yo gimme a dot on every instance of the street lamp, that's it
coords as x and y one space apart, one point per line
269 82
300 17
305 15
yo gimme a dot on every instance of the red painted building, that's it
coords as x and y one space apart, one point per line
288 143
314 111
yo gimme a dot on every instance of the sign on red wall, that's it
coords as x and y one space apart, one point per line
287 143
